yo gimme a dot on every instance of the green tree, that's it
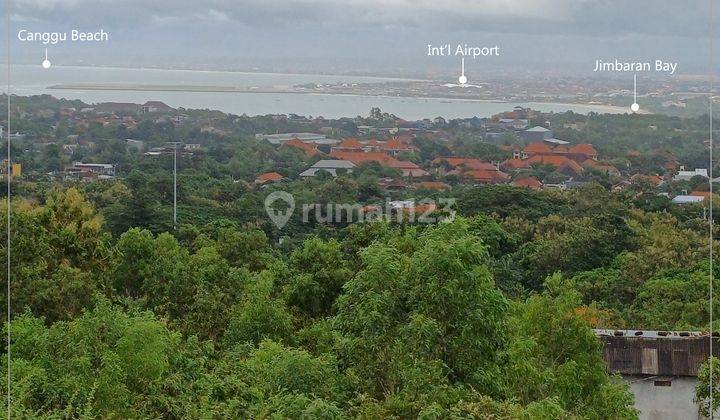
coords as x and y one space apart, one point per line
709 369
319 272
553 352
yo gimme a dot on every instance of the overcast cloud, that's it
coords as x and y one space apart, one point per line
352 34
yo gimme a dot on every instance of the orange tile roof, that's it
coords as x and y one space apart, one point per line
470 163
309 149
584 149
483 175
705 194
537 148
433 185
557 161
529 182
359 157
350 143
394 144
572 165
402 164
592 163
514 164
269 177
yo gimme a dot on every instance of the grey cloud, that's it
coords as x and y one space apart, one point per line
601 17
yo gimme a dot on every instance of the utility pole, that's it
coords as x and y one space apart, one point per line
175 186
175 148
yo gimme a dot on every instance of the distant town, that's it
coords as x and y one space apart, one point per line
68 143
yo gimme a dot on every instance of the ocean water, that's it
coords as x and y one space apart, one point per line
34 80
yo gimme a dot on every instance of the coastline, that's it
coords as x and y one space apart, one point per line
229 89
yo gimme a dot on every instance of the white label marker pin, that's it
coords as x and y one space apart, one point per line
635 107
46 63
462 79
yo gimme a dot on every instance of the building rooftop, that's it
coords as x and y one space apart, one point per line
667 353
687 199
538 129
648 333
333 163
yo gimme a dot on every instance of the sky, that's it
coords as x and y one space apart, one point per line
382 37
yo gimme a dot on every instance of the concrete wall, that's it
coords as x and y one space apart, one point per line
674 402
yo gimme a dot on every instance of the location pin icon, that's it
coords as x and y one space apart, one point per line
279 218
46 63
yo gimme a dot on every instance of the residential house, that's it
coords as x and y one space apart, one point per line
470 170
684 175
268 178
360 157
660 368
277 139
566 159
562 164
394 147
15 168
687 199
601 167
654 180
348 145
408 169
330 166
154 106
528 182
536 133
84 171
308 149
117 107
484 176
443 165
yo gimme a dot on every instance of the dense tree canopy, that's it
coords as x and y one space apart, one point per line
380 320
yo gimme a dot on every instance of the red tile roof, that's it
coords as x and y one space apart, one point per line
513 164
704 194
359 157
483 175
309 149
537 148
350 143
470 163
268 177
592 163
559 162
583 149
529 182
394 144
402 164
